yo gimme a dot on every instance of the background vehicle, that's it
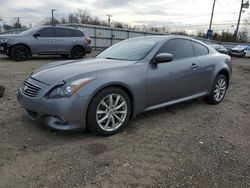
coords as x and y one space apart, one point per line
238 50
247 52
46 40
219 48
133 76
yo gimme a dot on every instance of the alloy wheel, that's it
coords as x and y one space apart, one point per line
220 89
111 112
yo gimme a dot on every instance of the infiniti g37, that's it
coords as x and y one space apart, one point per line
130 77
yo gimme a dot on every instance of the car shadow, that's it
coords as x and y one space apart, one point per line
132 125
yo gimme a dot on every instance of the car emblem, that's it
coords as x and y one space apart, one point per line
25 88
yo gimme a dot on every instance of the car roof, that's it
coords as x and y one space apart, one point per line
63 27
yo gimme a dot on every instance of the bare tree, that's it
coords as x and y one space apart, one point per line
83 16
72 18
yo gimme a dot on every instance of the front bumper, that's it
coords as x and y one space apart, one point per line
51 112
4 48
238 53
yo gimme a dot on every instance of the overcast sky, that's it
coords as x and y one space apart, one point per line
169 13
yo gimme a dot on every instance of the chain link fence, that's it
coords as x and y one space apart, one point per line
104 37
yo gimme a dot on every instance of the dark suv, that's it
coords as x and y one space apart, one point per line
46 40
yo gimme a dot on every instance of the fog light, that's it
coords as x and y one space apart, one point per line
61 120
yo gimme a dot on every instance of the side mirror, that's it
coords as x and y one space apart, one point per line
163 58
36 35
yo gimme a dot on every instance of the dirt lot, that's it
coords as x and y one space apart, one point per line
188 145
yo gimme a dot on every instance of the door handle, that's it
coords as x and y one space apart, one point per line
53 40
194 66
73 40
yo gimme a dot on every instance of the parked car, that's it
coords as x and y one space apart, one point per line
247 52
130 77
238 50
46 40
219 48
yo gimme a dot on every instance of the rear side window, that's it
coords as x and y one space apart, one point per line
47 32
78 33
199 49
179 48
61 32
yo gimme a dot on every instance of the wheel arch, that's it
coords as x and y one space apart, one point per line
122 86
21 44
226 74
77 45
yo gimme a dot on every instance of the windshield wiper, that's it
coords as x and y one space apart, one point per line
111 58
114 58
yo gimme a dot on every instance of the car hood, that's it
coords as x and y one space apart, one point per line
9 36
61 71
239 49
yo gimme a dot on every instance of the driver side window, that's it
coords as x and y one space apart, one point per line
179 48
47 32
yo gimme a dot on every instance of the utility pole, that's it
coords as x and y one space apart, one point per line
52 16
210 31
18 21
109 16
243 5
1 23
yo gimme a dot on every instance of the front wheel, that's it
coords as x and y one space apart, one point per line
20 53
219 90
109 111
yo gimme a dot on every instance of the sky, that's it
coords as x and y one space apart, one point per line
174 14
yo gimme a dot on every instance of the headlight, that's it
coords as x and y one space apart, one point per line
69 89
5 40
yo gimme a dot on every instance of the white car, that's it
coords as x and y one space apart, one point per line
238 50
247 52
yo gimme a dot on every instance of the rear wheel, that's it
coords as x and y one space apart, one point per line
20 53
109 111
77 52
219 90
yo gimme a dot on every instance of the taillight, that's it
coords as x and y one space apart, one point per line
88 40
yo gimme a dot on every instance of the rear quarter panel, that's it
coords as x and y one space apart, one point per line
211 65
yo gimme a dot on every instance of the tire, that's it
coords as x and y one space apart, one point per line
219 90
2 91
77 52
104 119
20 53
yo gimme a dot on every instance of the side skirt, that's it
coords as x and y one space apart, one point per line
174 102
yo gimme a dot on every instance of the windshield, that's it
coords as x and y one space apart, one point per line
29 31
132 50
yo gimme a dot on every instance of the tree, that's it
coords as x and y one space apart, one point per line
72 18
48 21
242 36
83 16
118 25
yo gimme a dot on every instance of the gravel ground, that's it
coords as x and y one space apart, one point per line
187 145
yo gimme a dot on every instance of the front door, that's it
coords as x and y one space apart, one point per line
44 43
176 79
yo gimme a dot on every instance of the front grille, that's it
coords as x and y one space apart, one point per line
30 89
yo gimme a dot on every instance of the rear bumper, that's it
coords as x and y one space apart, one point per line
60 114
88 49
